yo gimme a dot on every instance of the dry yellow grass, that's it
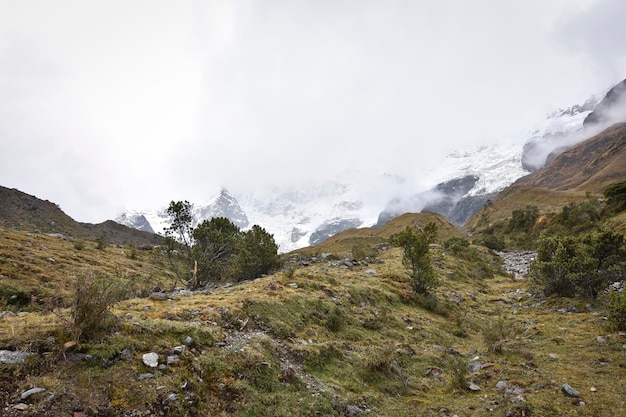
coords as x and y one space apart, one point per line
324 339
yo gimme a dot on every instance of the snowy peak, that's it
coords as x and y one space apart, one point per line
136 221
223 204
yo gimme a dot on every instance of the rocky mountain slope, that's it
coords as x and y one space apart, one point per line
579 173
306 214
22 211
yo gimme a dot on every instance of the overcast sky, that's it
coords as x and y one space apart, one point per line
113 104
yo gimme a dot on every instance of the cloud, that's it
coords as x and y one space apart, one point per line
128 104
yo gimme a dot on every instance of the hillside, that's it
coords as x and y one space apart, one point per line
322 337
580 173
22 211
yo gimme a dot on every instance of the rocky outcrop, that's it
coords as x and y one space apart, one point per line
224 205
136 221
332 227
610 110
448 198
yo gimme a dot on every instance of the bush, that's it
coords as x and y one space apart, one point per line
456 245
361 251
617 309
494 243
584 265
101 242
94 296
416 246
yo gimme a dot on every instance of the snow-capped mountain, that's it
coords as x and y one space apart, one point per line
224 204
468 179
304 214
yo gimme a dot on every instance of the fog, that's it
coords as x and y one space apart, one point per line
111 105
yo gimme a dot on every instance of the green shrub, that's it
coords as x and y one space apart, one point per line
494 243
101 242
335 319
617 309
79 245
361 251
416 246
496 333
94 296
456 245
584 265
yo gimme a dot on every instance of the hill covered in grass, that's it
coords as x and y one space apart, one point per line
328 335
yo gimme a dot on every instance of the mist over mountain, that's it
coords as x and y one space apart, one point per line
307 213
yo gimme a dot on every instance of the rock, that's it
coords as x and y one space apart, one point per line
474 367
125 353
30 392
501 385
293 285
569 391
178 350
601 340
593 389
70 344
50 260
370 272
150 359
172 359
20 407
147 375
158 296
455 296
473 387
353 410
171 397
188 341
553 356
7 356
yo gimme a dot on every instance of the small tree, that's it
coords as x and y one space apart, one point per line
584 265
416 246
181 228
256 254
214 245
616 195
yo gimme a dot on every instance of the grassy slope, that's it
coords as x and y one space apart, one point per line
320 340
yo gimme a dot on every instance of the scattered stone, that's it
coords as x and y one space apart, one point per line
601 339
553 356
473 387
158 296
455 296
371 272
50 260
70 344
8 357
188 341
353 410
171 397
474 367
178 350
126 354
501 385
30 392
172 359
593 389
569 391
150 359
20 407
147 375
293 285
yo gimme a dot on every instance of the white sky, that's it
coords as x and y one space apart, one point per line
112 104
